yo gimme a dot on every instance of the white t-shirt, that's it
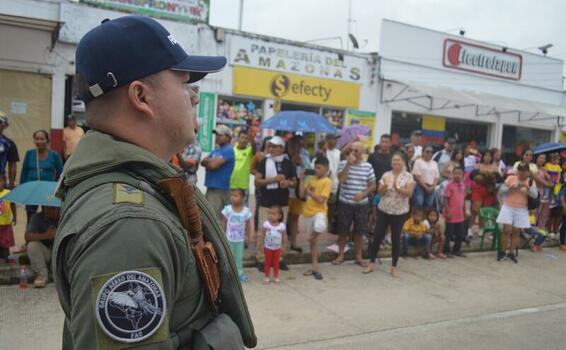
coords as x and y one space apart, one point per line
273 235
236 223
418 152
333 161
428 171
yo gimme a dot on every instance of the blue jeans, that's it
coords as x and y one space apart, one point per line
421 198
412 240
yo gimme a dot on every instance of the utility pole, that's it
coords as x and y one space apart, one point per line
241 15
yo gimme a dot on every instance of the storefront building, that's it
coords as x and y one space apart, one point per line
479 93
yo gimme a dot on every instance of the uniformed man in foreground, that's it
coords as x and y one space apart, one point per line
139 259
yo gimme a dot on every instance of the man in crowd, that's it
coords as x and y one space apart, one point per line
444 156
381 159
417 141
8 153
39 236
357 181
333 156
72 134
244 151
219 165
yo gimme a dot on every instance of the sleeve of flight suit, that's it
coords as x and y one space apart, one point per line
123 277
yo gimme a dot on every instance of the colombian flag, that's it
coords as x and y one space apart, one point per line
433 129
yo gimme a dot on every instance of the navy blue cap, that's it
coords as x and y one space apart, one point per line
128 48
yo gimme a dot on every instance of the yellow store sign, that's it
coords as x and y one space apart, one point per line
295 88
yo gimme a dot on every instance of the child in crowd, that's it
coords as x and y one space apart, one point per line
416 232
237 221
436 232
273 238
537 233
7 219
454 212
317 190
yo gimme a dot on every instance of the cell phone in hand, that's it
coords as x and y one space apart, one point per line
309 172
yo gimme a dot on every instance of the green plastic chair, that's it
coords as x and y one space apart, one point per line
489 218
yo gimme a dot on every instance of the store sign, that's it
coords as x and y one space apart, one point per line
188 10
297 60
206 112
483 60
295 88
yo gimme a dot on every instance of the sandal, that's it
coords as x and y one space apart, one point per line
297 249
361 263
337 262
317 275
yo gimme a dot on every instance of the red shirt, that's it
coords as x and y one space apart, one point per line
455 194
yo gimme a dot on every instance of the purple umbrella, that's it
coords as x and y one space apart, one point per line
352 133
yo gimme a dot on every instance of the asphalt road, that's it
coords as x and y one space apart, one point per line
469 303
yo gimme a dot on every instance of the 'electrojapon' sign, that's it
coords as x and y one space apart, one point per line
483 60
294 59
187 10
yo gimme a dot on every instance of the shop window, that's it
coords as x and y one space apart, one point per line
334 117
239 112
517 139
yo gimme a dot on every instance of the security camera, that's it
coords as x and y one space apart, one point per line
462 32
544 48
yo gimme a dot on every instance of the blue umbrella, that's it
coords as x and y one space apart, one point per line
299 121
549 147
35 193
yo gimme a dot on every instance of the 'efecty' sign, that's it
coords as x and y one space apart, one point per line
483 60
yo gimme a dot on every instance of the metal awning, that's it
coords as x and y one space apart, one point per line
435 98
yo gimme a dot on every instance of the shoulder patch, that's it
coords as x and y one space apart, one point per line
130 307
123 193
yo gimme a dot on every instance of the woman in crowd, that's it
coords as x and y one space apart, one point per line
395 187
456 159
485 178
301 160
409 154
258 157
40 163
497 159
527 159
544 185
427 177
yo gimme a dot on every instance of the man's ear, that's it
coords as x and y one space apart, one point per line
139 95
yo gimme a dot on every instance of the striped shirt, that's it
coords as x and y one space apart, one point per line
359 176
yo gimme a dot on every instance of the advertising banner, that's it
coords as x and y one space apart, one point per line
295 88
354 117
187 10
205 117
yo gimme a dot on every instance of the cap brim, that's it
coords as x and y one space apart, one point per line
200 66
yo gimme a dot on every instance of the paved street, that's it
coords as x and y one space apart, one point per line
472 303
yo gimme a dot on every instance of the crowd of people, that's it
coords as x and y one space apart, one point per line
398 195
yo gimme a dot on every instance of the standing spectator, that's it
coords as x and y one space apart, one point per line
416 141
427 176
301 160
456 159
72 134
8 154
275 174
380 160
41 163
544 185
527 158
514 214
484 180
333 155
396 188
258 157
219 165
444 156
272 239
8 218
317 190
470 161
454 212
39 236
497 157
357 182
409 154
416 231
554 170
244 151
563 226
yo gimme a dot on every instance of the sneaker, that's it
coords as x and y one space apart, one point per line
283 266
40 282
460 255
501 256
512 257
277 280
441 256
266 280
244 278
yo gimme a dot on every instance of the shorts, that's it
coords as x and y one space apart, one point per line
296 206
352 214
517 217
315 224
481 194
